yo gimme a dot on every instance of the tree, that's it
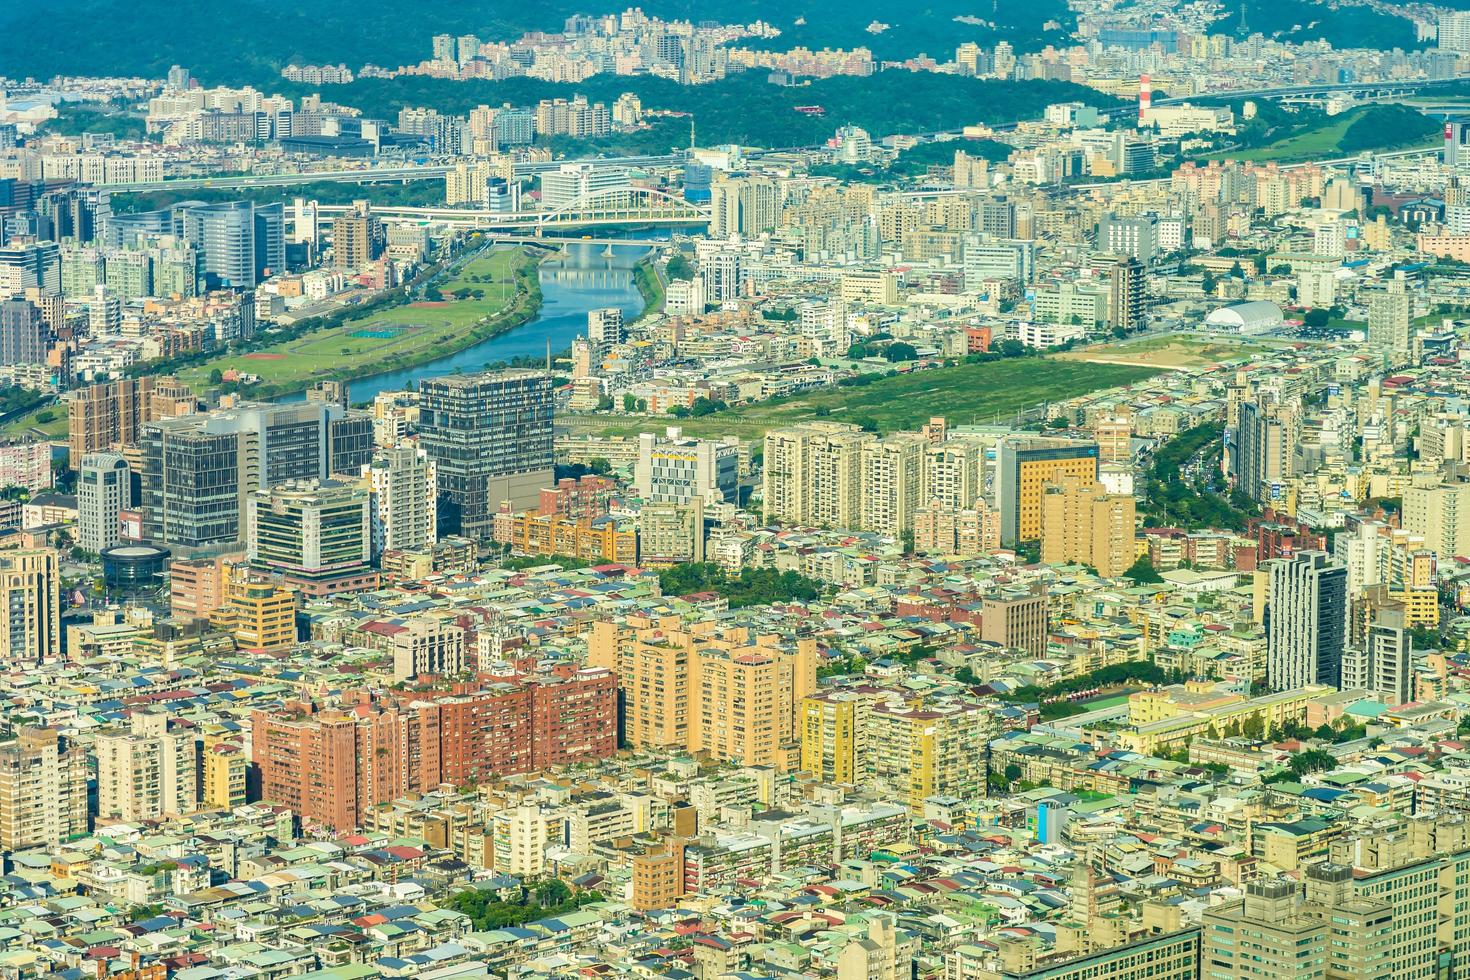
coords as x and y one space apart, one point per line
1143 572
216 376
600 466
1312 760
1236 272
630 403
1208 284
1317 318
899 351
706 406
1253 727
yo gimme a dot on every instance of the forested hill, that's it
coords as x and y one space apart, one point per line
238 41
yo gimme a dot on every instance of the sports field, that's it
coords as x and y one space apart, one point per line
964 394
501 292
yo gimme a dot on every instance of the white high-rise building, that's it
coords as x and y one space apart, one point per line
104 490
1454 31
404 497
605 327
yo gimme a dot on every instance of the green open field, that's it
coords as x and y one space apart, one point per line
1314 143
1323 141
30 424
964 394
396 337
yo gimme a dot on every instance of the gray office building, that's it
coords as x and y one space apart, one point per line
1306 621
489 436
239 243
25 337
199 470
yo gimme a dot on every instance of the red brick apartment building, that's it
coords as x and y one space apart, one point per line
332 764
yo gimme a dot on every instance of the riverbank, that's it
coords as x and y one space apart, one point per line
488 296
650 286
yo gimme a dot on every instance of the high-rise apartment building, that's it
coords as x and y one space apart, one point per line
223 786
938 748
146 772
104 490
1389 316
1383 663
743 205
605 327
30 607
833 727
1024 468
332 764
1126 294
25 336
102 416
316 534
727 693
892 477
1082 523
403 490
1440 511
43 790
1265 442
952 474
357 238
1454 31
489 436
1307 610
25 463
813 474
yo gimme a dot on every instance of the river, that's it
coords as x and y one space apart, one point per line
578 279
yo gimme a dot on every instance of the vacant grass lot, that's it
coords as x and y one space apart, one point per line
1323 141
1172 351
397 337
965 394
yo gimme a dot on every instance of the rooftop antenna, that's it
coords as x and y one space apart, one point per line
691 131
1244 29
548 355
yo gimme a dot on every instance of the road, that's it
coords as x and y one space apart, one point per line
368 175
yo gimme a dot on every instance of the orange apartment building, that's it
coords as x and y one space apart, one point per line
722 692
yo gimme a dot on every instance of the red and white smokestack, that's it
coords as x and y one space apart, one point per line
1145 97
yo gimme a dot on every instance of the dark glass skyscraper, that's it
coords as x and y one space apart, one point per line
490 436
